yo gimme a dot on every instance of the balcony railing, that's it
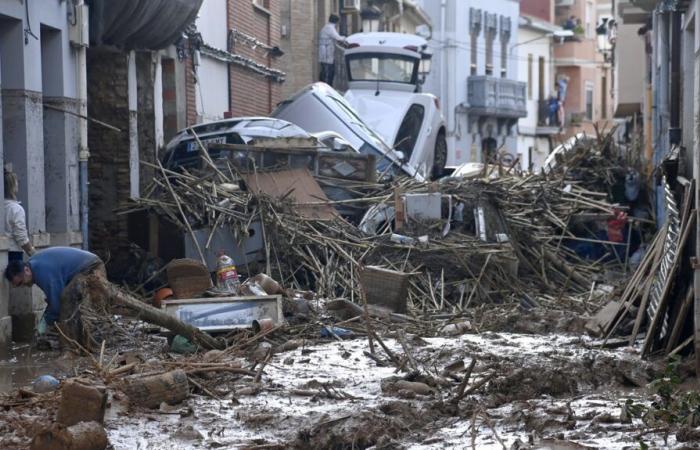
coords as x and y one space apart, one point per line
496 97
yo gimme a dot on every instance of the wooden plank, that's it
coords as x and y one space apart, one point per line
680 320
633 288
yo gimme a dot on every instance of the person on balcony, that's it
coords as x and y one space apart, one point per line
570 23
553 110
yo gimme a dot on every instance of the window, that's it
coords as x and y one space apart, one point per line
529 76
474 37
603 98
382 67
489 53
505 37
409 130
474 30
589 20
540 79
589 101
262 5
489 35
504 56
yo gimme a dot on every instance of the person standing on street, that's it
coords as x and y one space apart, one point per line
16 218
326 49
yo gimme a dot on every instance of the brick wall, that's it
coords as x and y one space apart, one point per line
252 93
300 60
169 99
542 9
108 169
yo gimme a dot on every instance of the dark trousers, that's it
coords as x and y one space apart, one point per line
327 73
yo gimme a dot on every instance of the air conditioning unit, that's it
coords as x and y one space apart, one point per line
351 6
564 2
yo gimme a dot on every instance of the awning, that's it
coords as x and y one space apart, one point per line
627 109
140 24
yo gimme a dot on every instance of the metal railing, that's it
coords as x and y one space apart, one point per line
494 96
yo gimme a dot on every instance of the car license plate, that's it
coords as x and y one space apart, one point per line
193 146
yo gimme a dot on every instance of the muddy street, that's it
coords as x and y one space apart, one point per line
557 388
548 389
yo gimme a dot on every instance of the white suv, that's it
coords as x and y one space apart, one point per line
385 73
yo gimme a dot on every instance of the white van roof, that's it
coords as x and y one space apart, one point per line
387 39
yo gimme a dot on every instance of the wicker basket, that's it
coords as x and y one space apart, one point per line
188 278
385 287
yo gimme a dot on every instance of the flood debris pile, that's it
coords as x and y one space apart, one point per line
659 300
519 239
386 290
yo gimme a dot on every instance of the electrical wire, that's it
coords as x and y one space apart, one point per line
482 51
28 29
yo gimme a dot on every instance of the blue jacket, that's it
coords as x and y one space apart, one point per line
52 269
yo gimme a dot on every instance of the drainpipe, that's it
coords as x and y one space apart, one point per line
84 152
443 60
674 131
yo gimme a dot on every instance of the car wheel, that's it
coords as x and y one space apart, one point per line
440 157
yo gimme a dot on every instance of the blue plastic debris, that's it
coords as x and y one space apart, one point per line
45 383
335 331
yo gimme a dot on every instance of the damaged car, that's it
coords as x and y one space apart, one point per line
385 74
319 108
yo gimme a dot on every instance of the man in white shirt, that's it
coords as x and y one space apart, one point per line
326 49
16 218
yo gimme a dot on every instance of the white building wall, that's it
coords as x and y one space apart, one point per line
451 68
533 149
212 90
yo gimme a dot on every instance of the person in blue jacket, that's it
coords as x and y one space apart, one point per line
52 270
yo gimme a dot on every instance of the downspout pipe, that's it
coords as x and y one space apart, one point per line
674 131
84 151
443 59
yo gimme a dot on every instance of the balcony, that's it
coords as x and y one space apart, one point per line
547 124
496 97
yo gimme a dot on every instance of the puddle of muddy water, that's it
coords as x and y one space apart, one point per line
21 364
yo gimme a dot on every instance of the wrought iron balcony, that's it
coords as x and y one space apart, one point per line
496 97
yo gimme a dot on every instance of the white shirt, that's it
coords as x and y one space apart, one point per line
16 222
326 43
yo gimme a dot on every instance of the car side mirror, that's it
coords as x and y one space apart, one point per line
400 155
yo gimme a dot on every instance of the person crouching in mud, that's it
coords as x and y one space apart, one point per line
55 271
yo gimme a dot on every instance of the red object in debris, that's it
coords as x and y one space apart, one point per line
161 295
616 227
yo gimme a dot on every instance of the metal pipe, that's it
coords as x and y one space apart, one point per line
675 79
443 57
84 151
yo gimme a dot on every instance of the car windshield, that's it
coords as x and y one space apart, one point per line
382 67
354 119
376 145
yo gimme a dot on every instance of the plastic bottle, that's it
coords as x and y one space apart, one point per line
226 274
401 239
